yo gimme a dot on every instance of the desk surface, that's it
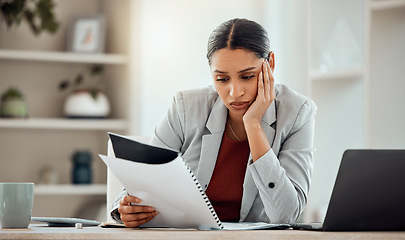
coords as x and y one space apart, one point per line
36 231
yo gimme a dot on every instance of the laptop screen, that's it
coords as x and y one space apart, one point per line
369 192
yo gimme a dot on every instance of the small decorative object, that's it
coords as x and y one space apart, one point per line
87 35
86 100
48 175
13 104
81 172
38 14
342 50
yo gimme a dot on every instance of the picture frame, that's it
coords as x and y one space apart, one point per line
87 34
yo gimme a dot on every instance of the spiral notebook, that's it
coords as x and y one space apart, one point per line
163 180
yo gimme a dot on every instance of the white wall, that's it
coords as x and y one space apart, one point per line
173 37
287 25
387 71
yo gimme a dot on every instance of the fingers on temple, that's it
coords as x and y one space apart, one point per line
266 78
260 79
271 84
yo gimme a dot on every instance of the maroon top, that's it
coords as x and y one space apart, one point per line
225 189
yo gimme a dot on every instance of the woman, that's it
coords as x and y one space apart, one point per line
249 141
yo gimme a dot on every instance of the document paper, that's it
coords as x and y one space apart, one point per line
170 188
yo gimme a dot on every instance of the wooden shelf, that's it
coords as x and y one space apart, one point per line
351 73
386 4
65 124
70 189
72 57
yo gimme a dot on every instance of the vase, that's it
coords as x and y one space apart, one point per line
81 171
13 108
84 104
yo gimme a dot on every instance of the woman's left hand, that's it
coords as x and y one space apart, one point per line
265 96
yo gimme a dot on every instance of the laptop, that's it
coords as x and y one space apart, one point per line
368 195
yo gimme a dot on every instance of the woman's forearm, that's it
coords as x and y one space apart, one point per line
258 143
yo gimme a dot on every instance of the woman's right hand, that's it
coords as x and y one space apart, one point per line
135 215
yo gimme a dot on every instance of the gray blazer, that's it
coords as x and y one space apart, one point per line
276 185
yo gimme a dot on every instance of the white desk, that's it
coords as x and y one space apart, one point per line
39 231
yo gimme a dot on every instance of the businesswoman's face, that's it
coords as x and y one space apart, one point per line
235 73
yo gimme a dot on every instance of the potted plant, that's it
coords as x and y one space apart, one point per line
13 104
38 14
86 98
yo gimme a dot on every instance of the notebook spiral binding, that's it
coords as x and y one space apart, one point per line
207 201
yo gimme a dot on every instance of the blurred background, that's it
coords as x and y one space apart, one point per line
346 55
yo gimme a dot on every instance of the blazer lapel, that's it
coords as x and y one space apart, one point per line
211 142
249 188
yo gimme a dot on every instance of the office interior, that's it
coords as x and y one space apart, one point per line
346 55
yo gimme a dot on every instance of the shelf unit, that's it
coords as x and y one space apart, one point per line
36 65
352 73
69 189
66 57
64 124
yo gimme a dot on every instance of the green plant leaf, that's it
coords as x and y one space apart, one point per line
79 79
30 17
44 9
12 92
94 93
12 11
64 84
96 69
40 18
